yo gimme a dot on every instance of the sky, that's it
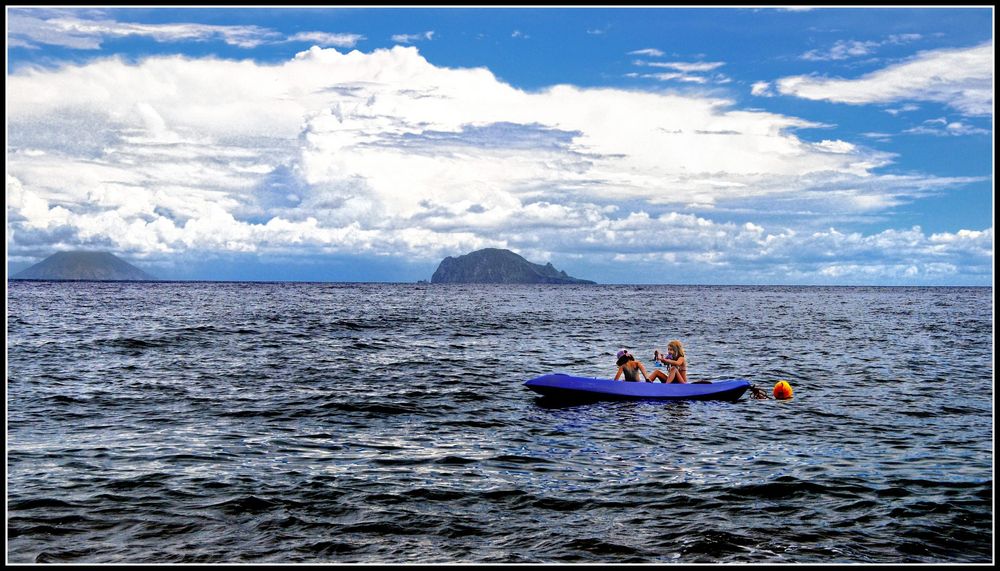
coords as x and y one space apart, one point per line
752 146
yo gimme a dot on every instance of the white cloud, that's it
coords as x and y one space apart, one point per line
386 153
941 127
904 38
327 39
81 33
846 49
761 89
841 147
28 28
684 71
652 52
878 136
676 77
684 66
410 38
842 49
682 245
959 78
909 107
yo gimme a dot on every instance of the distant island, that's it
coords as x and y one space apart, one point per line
497 266
83 266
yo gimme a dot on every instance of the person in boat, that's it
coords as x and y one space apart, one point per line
630 367
676 364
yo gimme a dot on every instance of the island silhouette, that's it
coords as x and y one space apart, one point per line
498 266
83 266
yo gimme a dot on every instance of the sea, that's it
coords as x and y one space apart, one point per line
371 423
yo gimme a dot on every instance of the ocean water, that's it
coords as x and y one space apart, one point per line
388 423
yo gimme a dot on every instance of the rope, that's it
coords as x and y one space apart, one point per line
758 393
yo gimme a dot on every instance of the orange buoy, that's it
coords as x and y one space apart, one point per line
782 390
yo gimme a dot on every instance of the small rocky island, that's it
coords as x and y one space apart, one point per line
83 266
497 266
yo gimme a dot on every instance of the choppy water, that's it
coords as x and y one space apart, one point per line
252 422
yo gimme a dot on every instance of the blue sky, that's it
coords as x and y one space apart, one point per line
625 145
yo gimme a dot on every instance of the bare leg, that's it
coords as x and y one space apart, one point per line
658 375
674 377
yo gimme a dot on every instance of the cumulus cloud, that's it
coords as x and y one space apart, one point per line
959 78
701 249
386 153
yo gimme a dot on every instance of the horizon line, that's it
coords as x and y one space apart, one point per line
429 283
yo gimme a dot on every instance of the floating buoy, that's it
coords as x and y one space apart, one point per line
782 390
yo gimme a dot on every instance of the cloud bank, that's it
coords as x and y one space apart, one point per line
31 28
26 30
386 154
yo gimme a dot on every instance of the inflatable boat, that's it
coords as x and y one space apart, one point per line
568 387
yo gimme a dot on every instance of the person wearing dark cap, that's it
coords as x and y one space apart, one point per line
628 366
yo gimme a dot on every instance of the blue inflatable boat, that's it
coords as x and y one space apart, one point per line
568 387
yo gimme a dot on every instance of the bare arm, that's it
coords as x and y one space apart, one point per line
675 362
642 368
619 373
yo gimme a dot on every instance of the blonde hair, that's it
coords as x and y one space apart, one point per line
678 348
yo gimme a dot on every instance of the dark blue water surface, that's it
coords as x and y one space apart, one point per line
388 423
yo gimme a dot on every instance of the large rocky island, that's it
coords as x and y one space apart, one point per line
496 266
83 266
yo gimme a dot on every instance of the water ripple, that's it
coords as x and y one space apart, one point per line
378 423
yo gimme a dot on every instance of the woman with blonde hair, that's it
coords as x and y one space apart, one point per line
676 364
